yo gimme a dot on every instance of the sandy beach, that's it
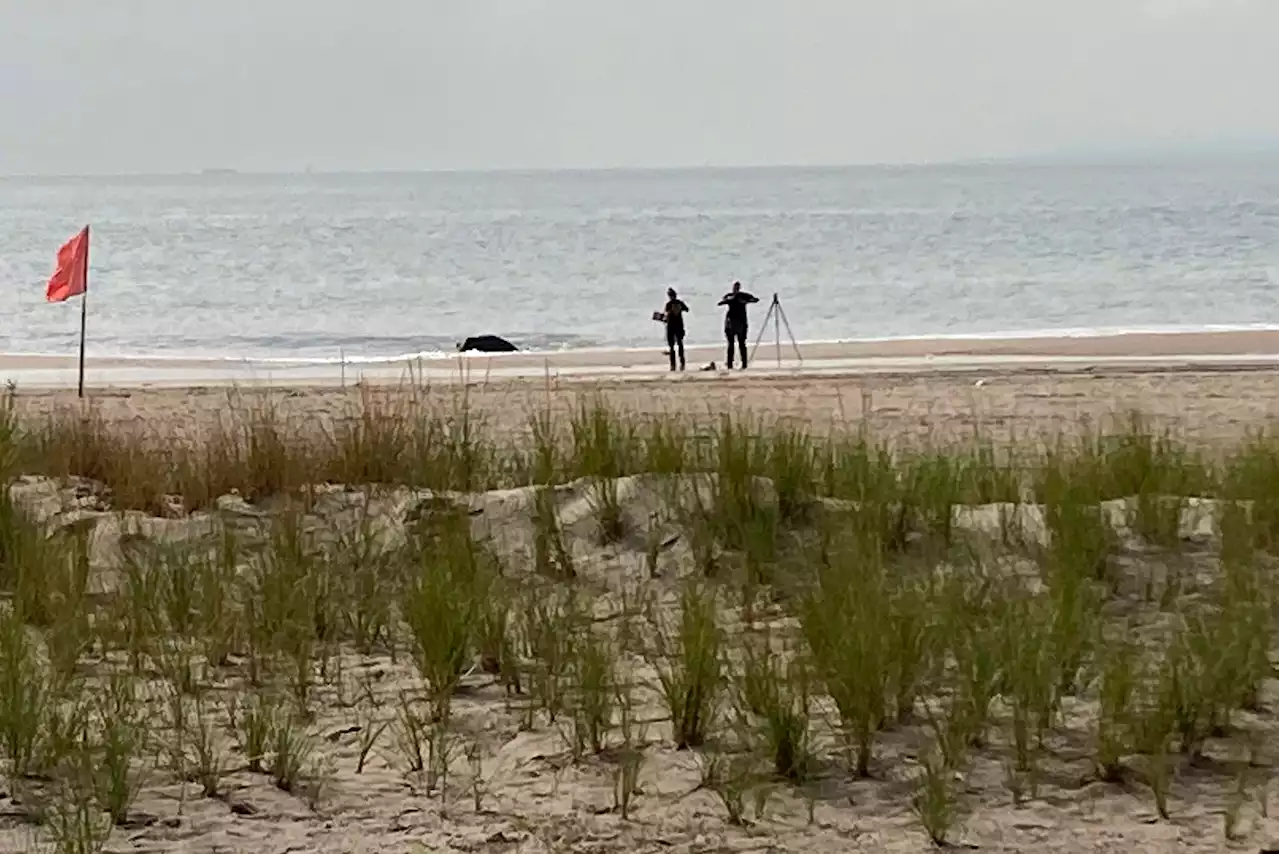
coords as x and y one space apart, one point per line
1210 385
972 545
1240 347
515 787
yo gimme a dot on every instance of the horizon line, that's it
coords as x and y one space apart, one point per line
1100 156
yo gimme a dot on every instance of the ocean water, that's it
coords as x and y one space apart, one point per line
378 266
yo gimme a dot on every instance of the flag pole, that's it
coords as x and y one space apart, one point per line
84 310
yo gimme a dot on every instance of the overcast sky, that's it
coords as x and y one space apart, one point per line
93 86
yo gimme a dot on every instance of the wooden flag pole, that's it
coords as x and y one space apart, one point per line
84 310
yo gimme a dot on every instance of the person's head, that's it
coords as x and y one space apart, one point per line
671 293
737 286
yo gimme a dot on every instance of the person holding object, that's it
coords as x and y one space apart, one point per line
673 316
735 321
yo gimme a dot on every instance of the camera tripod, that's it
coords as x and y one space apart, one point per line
779 320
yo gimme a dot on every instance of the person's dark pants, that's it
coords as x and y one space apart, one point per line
737 334
675 345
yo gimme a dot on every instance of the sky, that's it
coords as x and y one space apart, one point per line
159 86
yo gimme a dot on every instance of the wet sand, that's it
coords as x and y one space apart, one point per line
905 355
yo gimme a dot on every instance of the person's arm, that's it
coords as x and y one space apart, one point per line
684 308
749 297
724 300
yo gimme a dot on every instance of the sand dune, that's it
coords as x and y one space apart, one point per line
523 793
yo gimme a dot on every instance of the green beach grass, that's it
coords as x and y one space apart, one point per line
835 626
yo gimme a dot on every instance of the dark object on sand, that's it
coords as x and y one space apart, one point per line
488 344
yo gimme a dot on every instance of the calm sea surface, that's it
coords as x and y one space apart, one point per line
379 266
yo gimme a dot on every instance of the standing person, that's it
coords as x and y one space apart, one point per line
735 321
673 315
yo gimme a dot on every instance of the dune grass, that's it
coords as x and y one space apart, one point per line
829 606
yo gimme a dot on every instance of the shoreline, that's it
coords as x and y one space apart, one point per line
1241 349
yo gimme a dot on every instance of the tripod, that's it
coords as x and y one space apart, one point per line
779 319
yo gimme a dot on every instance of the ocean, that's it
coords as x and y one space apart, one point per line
383 266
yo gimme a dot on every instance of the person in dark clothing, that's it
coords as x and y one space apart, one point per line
735 321
673 315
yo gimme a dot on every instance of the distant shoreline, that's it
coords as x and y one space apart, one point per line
1125 157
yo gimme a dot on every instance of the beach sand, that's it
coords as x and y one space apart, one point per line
1214 386
924 354
533 798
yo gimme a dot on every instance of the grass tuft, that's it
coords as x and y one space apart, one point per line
688 658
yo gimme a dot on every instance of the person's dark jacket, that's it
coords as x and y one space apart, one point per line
736 316
674 312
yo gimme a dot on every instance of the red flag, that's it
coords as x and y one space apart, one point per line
71 275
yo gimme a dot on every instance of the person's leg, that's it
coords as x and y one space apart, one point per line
671 347
680 344
728 337
742 346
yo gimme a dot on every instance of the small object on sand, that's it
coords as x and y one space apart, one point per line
979 383
487 344
709 367
239 807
